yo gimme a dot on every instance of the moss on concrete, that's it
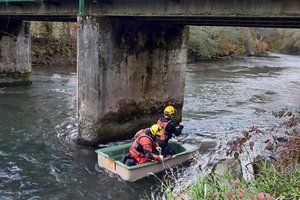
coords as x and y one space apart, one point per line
125 123
15 79
26 78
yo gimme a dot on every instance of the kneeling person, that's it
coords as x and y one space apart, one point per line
141 149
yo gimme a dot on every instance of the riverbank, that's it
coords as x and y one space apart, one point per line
273 175
213 43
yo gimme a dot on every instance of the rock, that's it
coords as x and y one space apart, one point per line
259 160
231 165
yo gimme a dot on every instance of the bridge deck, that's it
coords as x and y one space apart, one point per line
267 13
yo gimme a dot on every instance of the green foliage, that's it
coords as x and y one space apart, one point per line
292 45
213 42
209 188
53 40
59 31
278 183
169 195
37 29
271 181
167 191
201 43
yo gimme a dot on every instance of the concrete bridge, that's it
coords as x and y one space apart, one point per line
131 53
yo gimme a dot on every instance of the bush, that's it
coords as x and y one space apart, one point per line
201 45
53 43
213 42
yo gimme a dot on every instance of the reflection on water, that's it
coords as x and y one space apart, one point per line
37 124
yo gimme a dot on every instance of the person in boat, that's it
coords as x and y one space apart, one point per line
141 149
170 129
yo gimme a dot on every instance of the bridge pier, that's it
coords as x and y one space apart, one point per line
128 71
15 53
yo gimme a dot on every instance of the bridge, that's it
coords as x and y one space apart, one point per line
131 54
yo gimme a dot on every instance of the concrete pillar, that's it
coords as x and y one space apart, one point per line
15 53
127 73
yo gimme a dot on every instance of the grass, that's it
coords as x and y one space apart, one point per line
281 185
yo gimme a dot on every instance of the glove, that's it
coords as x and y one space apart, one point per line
161 157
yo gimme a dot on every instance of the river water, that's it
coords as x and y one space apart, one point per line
38 159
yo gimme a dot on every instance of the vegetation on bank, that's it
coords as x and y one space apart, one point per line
55 42
269 184
208 43
275 178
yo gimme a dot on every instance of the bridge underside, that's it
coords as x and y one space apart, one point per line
267 22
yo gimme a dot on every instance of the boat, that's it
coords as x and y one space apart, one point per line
110 158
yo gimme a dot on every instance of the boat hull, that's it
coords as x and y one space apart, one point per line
132 173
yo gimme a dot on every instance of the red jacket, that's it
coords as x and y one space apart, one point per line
164 123
142 147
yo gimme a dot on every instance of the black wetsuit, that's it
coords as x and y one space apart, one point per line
170 129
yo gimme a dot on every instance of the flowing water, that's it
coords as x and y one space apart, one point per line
38 159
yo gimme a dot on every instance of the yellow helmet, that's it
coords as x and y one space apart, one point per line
156 129
169 110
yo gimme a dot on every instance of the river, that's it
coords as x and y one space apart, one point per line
37 124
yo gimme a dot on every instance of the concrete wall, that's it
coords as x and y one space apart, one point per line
15 53
127 73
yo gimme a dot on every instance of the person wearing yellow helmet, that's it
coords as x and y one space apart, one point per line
141 149
170 129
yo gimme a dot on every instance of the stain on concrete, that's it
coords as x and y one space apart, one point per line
15 53
137 71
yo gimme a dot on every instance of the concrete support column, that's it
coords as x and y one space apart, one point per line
128 71
15 53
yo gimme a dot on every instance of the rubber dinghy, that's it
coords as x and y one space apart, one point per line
110 158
